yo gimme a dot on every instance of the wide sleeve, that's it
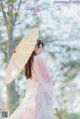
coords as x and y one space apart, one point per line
42 75
48 70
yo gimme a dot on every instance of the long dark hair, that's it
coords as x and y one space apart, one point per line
28 65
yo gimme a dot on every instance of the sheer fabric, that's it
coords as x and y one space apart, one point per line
38 100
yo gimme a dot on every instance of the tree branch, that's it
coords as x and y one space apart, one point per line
18 10
4 15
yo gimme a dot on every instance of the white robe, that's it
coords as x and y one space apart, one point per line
38 100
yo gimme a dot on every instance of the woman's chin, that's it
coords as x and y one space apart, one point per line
38 53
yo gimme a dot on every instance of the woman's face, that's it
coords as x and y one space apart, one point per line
38 50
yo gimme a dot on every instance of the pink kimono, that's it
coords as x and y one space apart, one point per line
38 100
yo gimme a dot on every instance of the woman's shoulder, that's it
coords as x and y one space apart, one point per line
37 57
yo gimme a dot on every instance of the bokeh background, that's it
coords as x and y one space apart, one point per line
59 24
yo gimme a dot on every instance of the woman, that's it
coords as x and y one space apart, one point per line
38 100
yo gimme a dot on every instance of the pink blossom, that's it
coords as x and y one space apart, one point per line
9 9
26 7
36 10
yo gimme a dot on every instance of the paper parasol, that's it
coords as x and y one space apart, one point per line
21 55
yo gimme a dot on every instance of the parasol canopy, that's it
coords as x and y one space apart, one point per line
21 54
